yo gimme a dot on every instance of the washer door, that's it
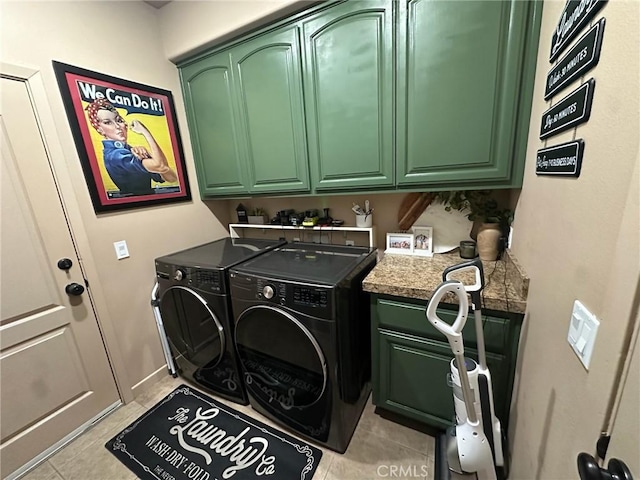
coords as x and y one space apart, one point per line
194 332
282 361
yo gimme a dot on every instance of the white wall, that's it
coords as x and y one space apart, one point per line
578 239
120 39
189 26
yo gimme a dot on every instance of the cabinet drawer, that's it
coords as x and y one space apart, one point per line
411 318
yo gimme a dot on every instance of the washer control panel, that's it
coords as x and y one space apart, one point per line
197 278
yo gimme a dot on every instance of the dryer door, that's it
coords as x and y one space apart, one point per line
283 363
194 331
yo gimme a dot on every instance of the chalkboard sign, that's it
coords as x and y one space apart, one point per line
582 57
569 112
576 14
564 159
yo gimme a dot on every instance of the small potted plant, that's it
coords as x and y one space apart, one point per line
491 222
258 216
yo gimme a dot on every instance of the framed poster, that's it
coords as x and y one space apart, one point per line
422 241
400 243
127 139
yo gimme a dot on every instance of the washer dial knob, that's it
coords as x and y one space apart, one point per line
178 275
268 292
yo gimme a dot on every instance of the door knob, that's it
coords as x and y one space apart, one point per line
74 289
65 264
588 469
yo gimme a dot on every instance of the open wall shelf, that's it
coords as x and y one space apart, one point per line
237 230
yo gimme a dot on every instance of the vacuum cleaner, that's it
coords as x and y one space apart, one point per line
474 447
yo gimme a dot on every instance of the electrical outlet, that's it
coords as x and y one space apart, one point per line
350 243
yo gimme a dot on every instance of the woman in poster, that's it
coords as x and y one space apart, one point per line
131 168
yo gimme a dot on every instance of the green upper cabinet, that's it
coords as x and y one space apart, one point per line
214 126
349 95
268 82
246 117
367 95
460 78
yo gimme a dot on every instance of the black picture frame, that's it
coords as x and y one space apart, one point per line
102 112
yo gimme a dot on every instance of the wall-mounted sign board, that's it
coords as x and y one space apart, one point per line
582 57
569 112
576 14
564 159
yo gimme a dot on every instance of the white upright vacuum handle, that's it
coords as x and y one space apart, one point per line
453 332
478 284
475 290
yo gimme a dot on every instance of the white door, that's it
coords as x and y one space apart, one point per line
55 372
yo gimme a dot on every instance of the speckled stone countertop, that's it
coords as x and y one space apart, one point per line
506 285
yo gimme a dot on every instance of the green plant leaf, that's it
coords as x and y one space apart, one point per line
480 204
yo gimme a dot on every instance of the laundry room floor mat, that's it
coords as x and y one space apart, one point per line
190 436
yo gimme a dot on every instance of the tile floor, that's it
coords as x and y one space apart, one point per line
379 449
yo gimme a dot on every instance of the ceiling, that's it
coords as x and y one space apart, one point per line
157 3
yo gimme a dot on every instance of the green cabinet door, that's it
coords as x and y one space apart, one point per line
268 81
349 95
459 73
411 359
214 126
412 378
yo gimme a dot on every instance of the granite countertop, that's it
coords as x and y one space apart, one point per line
506 285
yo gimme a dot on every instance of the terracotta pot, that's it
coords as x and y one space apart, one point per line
488 241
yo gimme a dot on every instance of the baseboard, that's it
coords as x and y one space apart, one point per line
55 448
408 422
149 381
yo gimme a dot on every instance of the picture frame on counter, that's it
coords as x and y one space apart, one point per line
401 243
422 241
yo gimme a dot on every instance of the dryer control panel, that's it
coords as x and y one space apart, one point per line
271 290
310 296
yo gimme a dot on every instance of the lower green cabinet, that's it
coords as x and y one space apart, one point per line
412 374
411 361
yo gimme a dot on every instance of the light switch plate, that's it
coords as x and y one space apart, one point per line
121 249
582 332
